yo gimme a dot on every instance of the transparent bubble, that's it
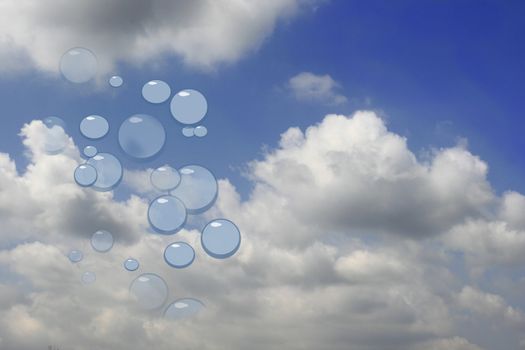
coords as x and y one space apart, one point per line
179 255
183 308
78 65
197 189
156 91
149 291
131 264
90 151
221 238
188 131
141 136
88 277
167 214
85 175
94 127
109 171
201 131
56 138
116 81
75 256
188 106
165 178
102 241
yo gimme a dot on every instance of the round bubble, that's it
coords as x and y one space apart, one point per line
94 127
75 256
221 238
141 136
78 65
183 308
131 264
188 131
90 151
201 131
179 255
116 81
109 171
165 178
88 277
197 189
56 138
149 291
85 175
167 214
156 91
188 106
102 241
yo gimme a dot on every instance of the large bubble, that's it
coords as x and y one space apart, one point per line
167 214
94 127
156 91
56 138
85 175
131 264
102 241
78 65
188 106
179 255
197 189
221 238
109 171
183 308
165 178
141 136
149 291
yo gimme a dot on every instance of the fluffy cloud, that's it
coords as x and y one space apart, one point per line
308 86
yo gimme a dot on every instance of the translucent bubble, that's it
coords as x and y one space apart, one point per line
156 91
78 65
131 264
141 136
183 308
201 131
56 138
102 241
221 238
167 214
188 131
165 178
197 189
94 127
109 171
75 256
116 81
188 106
179 255
149 291
88 277
90 151
85 175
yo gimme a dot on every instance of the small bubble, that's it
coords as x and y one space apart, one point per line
56 138
88 277
85 175
188 106
188 131
116 81
165 178
131 264
90 151
179 255
201 131
75 256
141 136
94 127
197 189
109 171
167 214
78 65
183 308
150 291
221 238
102 241
156 91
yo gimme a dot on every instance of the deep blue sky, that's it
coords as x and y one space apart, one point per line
437 69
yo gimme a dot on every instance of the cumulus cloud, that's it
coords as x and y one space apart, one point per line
307 86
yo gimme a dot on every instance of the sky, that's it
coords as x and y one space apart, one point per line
370 152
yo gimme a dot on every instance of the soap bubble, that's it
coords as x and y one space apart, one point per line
88 277
141 136
165 178
94 127
75 256
90 151
116 81
188 131
78 65
109 171
197 189
102 241
156 91
167 214
85 175
56 138
200 131
183 308
149 291
131 264
221 238
179 255
188 106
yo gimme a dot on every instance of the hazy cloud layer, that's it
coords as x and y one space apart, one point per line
308 86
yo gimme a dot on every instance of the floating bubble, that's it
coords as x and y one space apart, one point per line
85 175
156 91
88 277
188 131
56 138
188 106
165 178
149 291
90 151
167 214
131 264
221 238
109 171
141 136
201 131
183 308
179 255
94 127
116 81
102 241
197 189
75 256
78 65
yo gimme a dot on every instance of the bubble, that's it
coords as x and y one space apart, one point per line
141 136
156 91
102 241
131 264
90 151
201 131
116 81
149 291
183 308
85 175
56 138
88 277
179 255
165 178
221 238
109 171
78 65
75 256
94 127
197 188
167 214
188 106
188 131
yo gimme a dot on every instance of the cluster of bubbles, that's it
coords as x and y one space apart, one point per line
189 190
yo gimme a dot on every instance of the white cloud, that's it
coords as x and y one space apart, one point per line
311 87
